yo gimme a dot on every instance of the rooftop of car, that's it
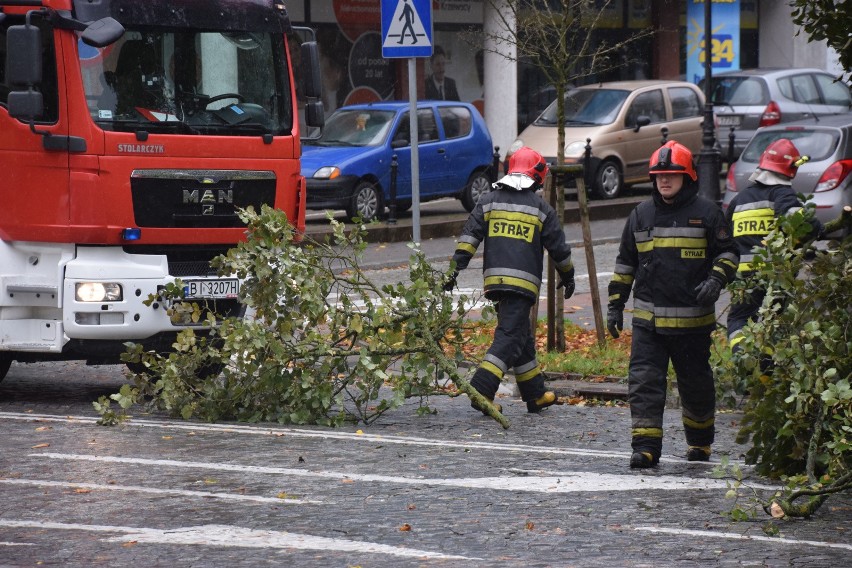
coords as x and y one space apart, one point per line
397 105
763 71
632 85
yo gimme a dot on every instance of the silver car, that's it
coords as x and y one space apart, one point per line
753 98
827 141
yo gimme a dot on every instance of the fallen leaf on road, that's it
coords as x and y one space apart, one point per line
82 491
37 446
530 525
43 428
405 527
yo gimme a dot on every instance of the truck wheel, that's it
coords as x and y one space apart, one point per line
608 182
5 363
478 185
366 203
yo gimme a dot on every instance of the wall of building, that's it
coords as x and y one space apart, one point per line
776 47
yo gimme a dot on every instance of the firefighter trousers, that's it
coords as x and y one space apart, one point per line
513 347
741 313
649 362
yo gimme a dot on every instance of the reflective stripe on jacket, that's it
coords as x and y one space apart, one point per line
752 214
515 227
666 251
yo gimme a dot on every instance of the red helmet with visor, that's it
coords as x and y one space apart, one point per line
672 158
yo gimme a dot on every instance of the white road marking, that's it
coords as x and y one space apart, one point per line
152 490
566 482
232 536
347 436
737 536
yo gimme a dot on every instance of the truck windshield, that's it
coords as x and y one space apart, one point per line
225 83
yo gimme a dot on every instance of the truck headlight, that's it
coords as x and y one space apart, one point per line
98 292
327 172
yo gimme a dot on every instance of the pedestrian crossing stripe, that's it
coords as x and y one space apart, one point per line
406 27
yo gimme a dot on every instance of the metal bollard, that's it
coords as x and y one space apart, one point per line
393 168
731 146
495 169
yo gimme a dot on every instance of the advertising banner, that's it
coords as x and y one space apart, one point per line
724 37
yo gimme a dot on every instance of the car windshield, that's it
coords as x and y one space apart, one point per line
587 107
818 144
355 127
738 91
189 82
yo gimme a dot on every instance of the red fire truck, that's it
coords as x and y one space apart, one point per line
130 132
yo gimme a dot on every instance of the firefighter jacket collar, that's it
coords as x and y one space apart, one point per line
767 177
515 181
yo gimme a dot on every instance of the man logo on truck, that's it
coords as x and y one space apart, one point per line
208 198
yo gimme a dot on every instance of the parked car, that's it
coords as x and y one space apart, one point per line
747 100
826 176
625 121
349 166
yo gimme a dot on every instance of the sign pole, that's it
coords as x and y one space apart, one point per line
415 154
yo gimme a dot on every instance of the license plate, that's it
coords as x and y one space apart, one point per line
729 120
211 289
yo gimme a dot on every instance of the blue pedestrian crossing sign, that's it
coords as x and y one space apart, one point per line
406 28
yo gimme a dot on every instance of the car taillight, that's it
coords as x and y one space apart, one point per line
833 175
730 182
771 114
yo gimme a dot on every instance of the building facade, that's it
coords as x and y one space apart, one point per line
508 93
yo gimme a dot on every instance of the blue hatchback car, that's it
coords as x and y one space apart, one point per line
349 166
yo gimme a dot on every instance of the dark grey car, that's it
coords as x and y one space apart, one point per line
753 98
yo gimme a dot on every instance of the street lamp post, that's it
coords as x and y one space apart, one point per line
709 165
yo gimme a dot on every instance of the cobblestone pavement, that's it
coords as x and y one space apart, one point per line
446 489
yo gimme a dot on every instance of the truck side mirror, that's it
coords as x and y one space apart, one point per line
311 76
23 71
23 56
315 114
102 33
25 105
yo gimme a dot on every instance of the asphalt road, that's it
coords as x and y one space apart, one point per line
450 488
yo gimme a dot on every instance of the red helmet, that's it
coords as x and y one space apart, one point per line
672 158
529 163
781 157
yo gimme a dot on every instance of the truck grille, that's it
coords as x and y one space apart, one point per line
198 198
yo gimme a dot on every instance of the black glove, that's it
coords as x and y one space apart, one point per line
615 321
567 280
450 283
708 291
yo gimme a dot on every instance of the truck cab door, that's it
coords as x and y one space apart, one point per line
35 189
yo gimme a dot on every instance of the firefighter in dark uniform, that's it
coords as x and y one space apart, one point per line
515 225
752 214
676 254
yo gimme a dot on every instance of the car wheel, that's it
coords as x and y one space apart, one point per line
608 183
478 185
5 363
366 203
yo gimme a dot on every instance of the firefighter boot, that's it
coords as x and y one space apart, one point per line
542 402
485 384
643 460
698 453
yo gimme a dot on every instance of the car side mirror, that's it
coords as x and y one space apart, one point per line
401 143
641 120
